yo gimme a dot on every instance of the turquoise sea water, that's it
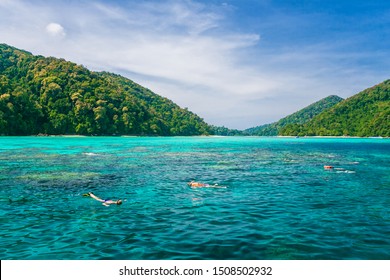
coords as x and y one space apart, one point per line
279 202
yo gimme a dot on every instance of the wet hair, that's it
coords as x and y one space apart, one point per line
119 202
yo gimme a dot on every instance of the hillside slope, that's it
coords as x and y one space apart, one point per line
364 114
54 96
300 117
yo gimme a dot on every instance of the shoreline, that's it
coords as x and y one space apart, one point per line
210 136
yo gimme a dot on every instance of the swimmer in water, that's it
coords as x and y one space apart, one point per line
194 184
105 202
338 169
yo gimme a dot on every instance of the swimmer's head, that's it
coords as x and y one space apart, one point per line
119 202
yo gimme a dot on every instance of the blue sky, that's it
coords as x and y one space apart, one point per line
234 63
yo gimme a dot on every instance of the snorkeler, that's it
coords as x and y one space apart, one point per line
194 184
337 169
105 202
328 167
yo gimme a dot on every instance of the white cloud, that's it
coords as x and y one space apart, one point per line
55 30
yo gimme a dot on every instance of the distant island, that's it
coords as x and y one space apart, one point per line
49 96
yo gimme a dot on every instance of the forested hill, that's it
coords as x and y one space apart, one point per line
300 117
40 95
365 114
